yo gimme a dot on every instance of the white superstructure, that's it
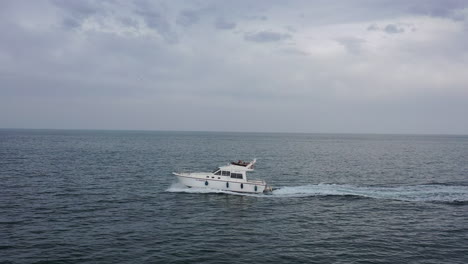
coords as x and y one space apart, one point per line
232 177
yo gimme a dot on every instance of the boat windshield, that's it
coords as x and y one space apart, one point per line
217 169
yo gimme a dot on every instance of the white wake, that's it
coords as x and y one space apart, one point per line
423 193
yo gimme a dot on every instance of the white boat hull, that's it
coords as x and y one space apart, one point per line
220 184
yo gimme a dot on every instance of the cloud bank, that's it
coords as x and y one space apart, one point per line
300 66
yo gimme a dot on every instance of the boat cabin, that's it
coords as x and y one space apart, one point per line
234 175
235 170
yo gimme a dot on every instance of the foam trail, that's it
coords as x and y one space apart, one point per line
426 193
423 193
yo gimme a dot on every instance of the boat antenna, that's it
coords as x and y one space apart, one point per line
250 166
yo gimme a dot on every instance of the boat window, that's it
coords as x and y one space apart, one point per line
236 175
218 172
226 173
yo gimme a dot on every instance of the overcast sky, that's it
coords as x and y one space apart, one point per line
362 66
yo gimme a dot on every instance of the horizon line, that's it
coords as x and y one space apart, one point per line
252 132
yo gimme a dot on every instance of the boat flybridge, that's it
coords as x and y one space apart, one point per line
232 177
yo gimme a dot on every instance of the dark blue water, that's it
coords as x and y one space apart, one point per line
109 197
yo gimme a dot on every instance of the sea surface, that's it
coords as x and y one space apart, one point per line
71 196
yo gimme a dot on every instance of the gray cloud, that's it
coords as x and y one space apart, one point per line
158 22
187 18
78 8
352 44
257 17
373 27
266 36
129 22
393 29
77 11
294 52
444 9
389 28
221 23
69 22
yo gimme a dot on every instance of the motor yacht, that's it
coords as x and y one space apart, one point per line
232 177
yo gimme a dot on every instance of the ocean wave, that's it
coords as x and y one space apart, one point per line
456 194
